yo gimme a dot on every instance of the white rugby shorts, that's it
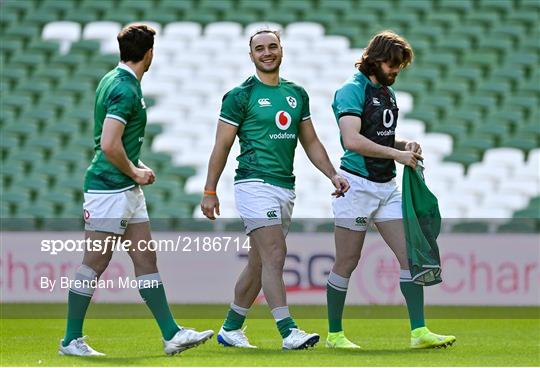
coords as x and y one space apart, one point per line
113 212
261 204
367 201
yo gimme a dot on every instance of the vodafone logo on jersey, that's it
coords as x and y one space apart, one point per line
283 120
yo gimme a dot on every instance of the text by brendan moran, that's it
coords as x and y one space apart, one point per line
118 283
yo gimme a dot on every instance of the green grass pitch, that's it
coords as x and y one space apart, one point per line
493 341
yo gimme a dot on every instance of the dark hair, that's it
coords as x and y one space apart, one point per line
134 41
264 31
386 46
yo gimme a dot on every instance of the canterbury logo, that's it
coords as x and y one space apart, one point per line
271 214
263 102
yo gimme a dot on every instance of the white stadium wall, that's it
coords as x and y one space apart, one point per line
477 270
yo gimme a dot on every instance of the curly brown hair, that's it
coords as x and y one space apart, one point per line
385 46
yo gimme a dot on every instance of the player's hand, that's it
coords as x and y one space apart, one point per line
210 206
144 176
413 147
408 158
143 166
341 184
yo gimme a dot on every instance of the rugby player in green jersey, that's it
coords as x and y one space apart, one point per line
366 111
268 114
114 203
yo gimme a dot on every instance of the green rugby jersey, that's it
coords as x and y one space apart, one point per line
268 119
118 96
376 106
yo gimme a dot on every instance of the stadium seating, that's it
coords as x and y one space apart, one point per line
471 97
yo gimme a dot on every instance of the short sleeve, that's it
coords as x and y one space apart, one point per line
120 104
349 100
233 107
306 114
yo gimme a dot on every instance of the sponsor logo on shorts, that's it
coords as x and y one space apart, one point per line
271 214
123 224
86 215
291 101
361 221
283 120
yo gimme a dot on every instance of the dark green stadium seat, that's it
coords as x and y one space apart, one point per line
460 6
454 44
47 47
440 59
439 100
59 100
176 6
298 7
478 141
504 7
499 44
381 7
512 31
358 19
486 18
55 5
243 17
471 32
35 86
41 17
79 86
18 100
404 18
497 129
11 46
322 16
52 74
455 128
340 6
433 32
215 5
482 58
85 47
522 141
9 17
29 59
86 16
521 100
531 5
39 211
464 157
92 5
446 19
26 31
521 58
15 197
523 16
68 60
422 7
162 17
458 88
130 5
20 5
125 16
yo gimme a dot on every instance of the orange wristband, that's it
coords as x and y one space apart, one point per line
209 193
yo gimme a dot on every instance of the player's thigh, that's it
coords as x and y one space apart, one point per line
394 235
349 243
142 250
270 243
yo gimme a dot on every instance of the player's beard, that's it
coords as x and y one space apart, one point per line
384 78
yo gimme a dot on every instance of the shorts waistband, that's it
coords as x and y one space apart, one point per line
355 173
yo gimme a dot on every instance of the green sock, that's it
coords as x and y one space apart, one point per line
336 291
414 296
155 299
77 306
234 321
284 326
78 300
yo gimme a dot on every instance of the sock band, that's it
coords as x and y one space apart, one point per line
149 279
405 276
240 310
84 277
280 313
338 282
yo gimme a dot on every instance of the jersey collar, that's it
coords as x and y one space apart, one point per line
127 69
